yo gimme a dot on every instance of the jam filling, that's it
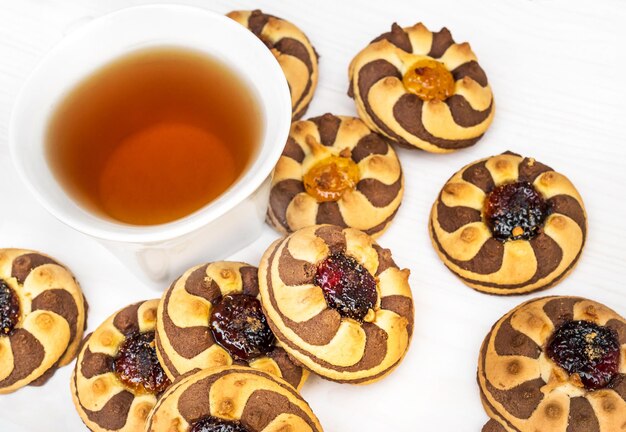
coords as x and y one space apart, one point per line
239 326
9 309
214 424
330 178
515 211
586 349
348 286
137 365
429 80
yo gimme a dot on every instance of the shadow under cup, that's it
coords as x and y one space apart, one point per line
234 218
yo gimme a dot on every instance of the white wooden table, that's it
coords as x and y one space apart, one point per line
557 72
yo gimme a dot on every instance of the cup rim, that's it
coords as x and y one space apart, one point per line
252 178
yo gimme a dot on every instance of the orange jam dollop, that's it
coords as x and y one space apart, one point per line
331 177
429 80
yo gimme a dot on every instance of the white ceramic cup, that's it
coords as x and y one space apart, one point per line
160 252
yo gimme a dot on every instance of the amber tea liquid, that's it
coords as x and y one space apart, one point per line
154 136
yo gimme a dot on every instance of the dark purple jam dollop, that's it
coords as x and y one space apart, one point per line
348 286
9 309
586 349
515 211
137 364
214 424
239 325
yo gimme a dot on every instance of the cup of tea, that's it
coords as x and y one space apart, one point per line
154 129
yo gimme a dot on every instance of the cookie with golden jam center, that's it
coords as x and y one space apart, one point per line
422 90
335 170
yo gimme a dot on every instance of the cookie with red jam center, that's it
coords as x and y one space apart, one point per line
508 225
118 378
232 399
556 361
211 317
421 89
337 302
42 318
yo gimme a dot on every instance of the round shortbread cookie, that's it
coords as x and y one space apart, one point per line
556 364
42 318
508 225
422 90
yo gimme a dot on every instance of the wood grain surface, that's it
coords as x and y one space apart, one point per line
556 68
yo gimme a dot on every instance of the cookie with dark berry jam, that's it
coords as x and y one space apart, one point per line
555 361
337 302
508 224
232 399
42 318
211 316
118 378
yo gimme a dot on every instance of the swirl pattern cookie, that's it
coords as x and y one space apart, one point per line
337 302
42 318
335 170
421 89
555 364
211 317
232 399
117 378
508 225
292 49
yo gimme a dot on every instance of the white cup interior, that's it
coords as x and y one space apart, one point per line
104 39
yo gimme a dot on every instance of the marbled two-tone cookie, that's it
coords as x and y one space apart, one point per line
337 302
42 318
508 225
117 378
292 49
421 89
555 364
211 317
335 170
232 399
